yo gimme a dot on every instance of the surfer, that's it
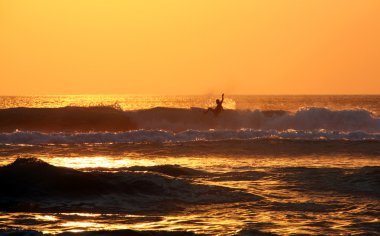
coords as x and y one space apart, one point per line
218 108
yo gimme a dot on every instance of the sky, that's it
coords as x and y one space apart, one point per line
189 47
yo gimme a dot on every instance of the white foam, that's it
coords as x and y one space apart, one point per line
162 136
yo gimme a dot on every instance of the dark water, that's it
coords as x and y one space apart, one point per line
290 165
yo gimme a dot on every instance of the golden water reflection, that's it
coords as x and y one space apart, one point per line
241 102
124 102
217 219
97 162
210 163
283 210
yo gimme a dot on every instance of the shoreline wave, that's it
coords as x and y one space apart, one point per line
32 185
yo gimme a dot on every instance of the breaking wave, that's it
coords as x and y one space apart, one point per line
102 119
308 119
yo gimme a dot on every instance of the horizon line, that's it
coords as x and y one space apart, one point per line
204 94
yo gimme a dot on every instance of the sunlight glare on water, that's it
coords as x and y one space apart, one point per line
97 162
215 164
241 102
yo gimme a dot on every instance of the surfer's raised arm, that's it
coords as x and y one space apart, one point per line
218 108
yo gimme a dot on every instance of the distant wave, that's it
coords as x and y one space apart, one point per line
308 119
66 119
162 136
101 119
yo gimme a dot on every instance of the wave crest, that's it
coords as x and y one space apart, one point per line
50 187
304 119
101 119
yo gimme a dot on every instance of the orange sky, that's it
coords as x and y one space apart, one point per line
189 47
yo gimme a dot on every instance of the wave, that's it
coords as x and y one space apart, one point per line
65 119
29 184
304 119
162 136
100 119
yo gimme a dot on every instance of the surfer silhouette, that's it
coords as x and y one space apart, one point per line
218 109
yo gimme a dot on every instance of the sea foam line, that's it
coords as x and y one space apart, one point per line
162 136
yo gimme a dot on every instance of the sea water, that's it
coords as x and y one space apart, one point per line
275 164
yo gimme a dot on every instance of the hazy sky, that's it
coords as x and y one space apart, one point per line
189 46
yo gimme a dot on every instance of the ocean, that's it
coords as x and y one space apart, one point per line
158 165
